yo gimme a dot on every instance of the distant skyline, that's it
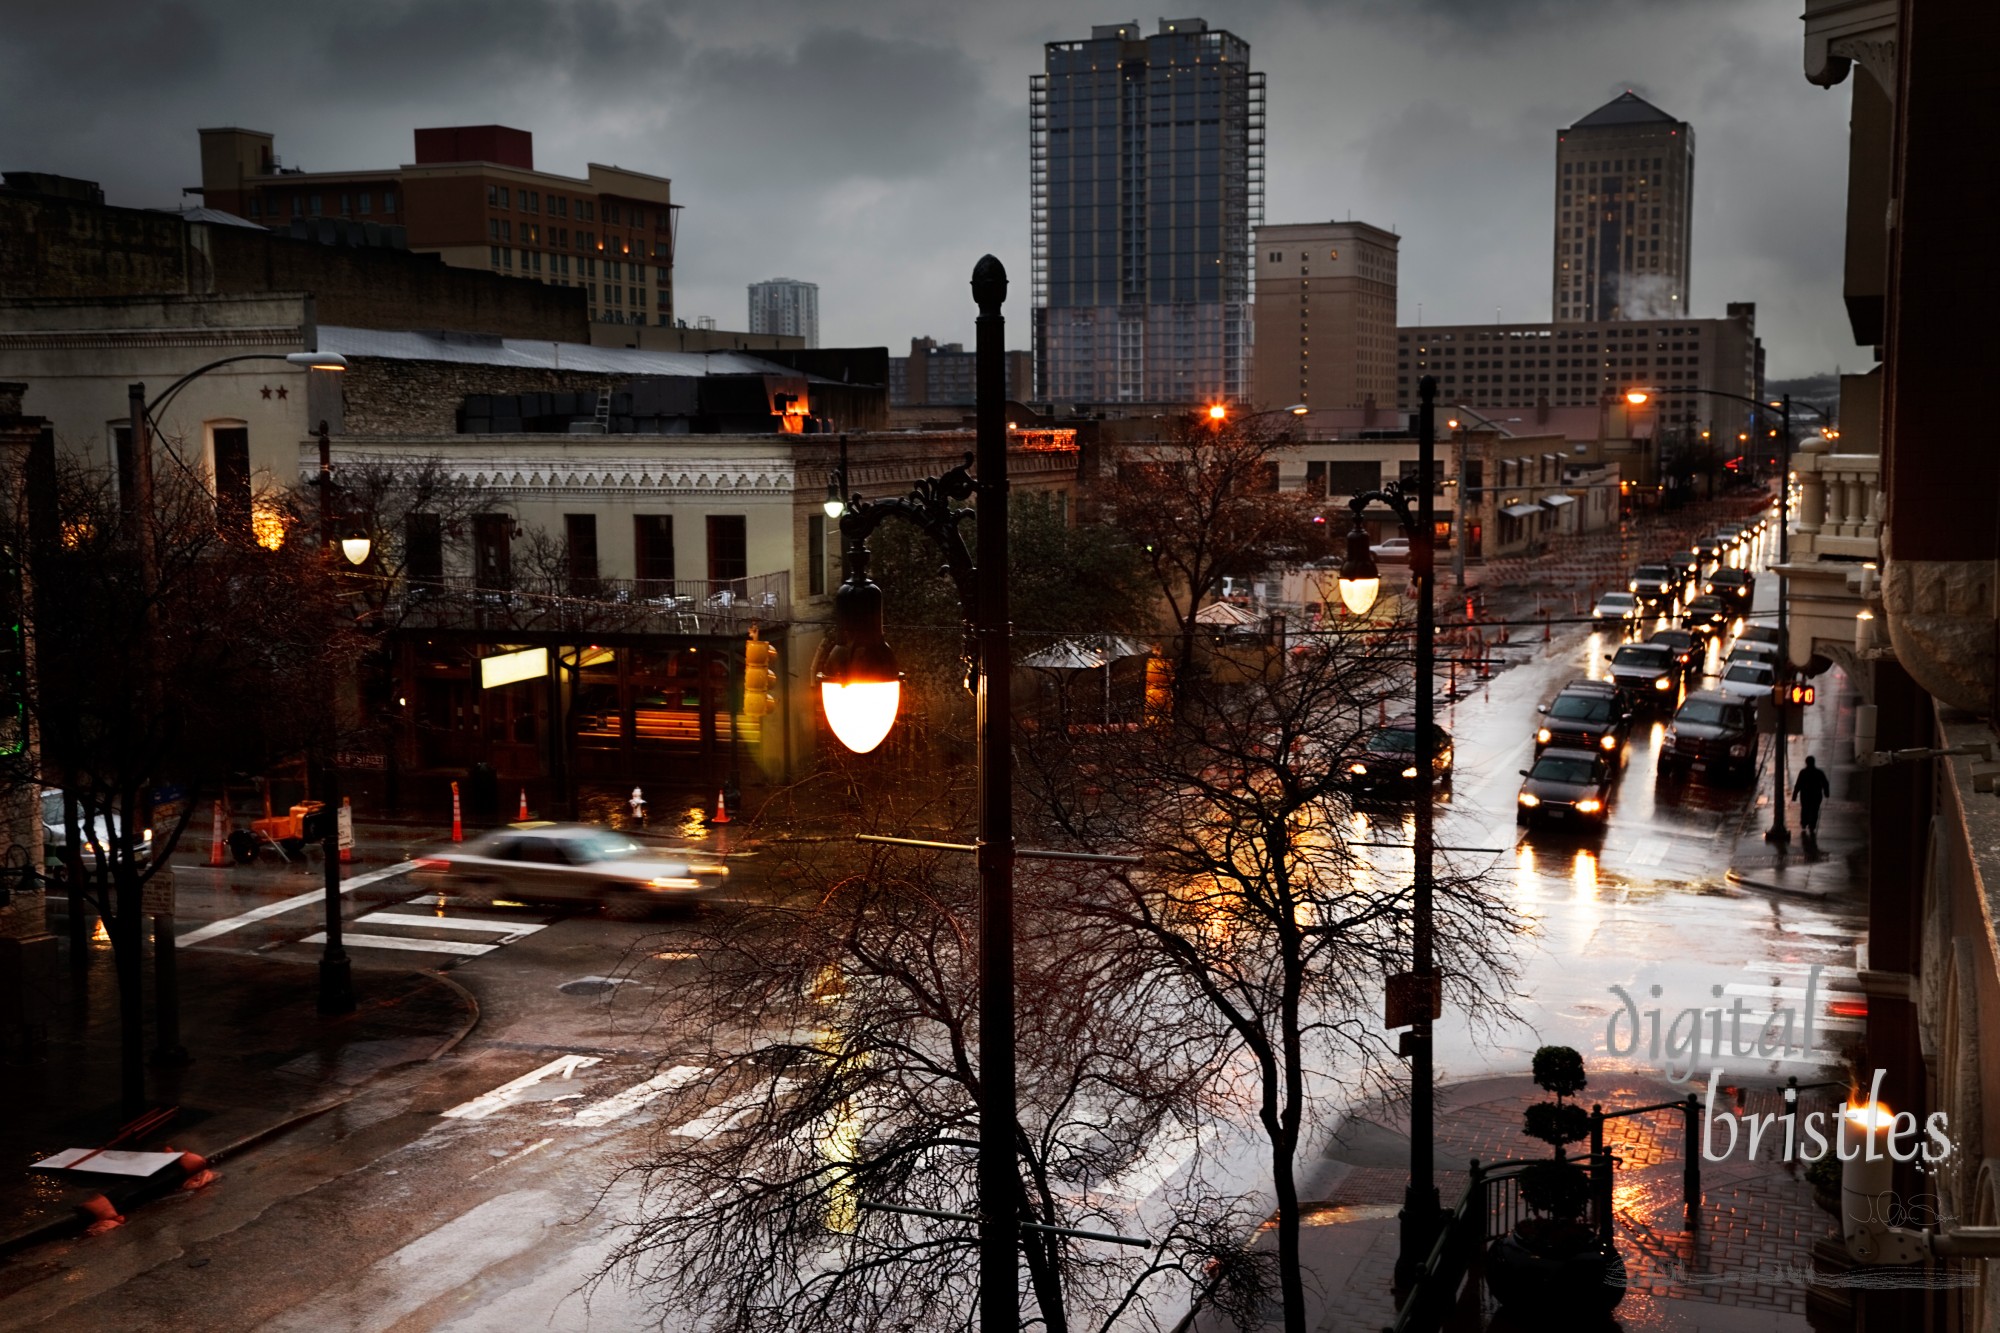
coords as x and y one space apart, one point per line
879 149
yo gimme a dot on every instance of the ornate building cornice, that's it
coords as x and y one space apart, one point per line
1841 33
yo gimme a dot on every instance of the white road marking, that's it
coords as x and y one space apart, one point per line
408 942
630 1100
486 1103
1150 1172
727 1115
1828 993
450 923
533 1147
227 924
1649 852
1832 974
1818 928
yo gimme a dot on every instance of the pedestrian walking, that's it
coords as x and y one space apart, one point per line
1810 789
638 804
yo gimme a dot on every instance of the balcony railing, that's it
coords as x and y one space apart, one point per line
629 606
1840 506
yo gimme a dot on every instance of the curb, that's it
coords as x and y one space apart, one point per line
1749 881
169 1180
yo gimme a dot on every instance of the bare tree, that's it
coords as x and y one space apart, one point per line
219 654
1270 930
836 1036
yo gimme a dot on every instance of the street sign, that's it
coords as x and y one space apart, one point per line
1404 999
158 894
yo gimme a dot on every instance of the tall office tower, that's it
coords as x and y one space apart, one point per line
1326 315
1146 177
1624 201
785 305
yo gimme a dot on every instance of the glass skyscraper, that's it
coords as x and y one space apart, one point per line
1147 178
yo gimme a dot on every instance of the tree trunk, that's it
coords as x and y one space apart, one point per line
1291 1282
128 943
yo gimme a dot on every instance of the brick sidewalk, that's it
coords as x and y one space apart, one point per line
1757 1220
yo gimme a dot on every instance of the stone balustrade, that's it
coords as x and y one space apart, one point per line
1839 507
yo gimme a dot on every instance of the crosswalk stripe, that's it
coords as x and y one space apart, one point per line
486 1103
450 923
406 942
227 924
1790 992
624 1103
728 1114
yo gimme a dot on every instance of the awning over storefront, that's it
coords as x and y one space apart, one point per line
1558 501
1521 511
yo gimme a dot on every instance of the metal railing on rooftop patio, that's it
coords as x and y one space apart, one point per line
629 606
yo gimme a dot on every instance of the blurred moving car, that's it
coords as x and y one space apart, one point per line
1570 787
1646 675
97 834
1387 764
1731 585
1707 616
1616 608
1653 584
1744 679
1593 720
569 863
1712 734
1688 651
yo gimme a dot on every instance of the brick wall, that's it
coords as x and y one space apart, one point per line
63 247
384 397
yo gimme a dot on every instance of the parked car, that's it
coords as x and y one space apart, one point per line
1570 787
98 834
545 862
1744 679
1688 651
1617 609
1707 615
1713 734
1646 674
1593 720
1653 584
1732 585
1387 764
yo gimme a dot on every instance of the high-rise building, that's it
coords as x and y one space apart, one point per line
1624 199
1326 315
785 305
473 198
1146 177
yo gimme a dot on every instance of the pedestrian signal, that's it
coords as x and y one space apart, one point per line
1795 694
760 676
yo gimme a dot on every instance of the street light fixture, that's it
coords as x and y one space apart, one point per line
860 689
1360 584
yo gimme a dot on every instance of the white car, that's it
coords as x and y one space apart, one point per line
540 862
97 836
1391 548
1753 650
1744 679
1616 607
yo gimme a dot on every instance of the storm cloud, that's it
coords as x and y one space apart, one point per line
879 148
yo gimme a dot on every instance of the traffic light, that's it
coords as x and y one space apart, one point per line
760 676
1796 693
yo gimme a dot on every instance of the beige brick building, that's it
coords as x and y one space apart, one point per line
1326 315
1624 203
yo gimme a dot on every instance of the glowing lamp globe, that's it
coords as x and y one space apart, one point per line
861 712
859 684
1360 580
356 549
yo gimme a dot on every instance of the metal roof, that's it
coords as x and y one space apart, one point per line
485 350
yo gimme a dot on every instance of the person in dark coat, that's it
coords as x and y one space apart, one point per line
1809 790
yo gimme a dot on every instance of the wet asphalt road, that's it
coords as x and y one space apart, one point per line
387 1213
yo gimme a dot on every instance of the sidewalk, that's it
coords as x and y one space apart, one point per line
1835 863
1758 1219
263 1061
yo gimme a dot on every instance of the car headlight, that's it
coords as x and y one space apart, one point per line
672 882
1633 586
1663 683
1410 772
1530 800
708 870
1358 770
1542 735
1668 740
1608 741
1738 751
1589 805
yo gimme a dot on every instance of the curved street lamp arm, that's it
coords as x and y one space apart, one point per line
1393 496
167 393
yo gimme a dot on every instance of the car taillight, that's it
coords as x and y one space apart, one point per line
430 864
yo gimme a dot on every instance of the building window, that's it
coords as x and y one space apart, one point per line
231 446
728 553
580 547
653 552
816 555
492 551
496 255
343 204
313 205
423 548
388 201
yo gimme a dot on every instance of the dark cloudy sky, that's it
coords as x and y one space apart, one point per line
879 147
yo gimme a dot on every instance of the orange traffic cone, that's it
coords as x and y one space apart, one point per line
457 821
721 810
221 837
523 816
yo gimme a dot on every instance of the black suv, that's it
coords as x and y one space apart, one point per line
1655 585
1592 718
1646 674
1732 585
1714 735
1387 764
1690 652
